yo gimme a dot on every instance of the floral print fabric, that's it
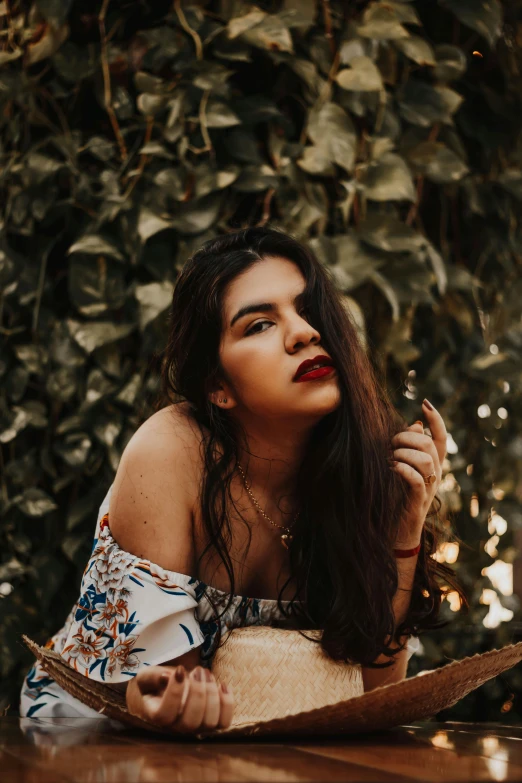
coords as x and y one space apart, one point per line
133 613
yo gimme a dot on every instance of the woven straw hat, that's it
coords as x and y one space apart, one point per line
285 684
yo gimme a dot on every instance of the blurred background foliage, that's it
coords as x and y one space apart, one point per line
387 134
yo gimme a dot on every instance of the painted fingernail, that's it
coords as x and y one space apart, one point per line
180 674
224 687
419 422
428 404
198 674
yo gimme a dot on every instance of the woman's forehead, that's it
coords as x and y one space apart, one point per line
274 277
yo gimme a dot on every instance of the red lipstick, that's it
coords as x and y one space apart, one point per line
306 373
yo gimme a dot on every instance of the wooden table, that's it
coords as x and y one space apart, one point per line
36 750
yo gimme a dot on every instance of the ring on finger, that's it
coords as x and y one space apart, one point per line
430 478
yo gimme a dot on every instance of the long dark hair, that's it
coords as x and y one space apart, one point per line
341 556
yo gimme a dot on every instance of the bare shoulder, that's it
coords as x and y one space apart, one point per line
155 489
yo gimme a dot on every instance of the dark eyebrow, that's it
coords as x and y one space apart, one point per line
261 307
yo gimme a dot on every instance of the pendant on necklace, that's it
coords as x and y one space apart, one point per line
286 538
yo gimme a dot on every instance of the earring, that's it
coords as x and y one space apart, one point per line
225 399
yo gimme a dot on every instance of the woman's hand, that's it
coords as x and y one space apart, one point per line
418 455
169 697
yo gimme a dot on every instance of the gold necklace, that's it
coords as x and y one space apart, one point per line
287 536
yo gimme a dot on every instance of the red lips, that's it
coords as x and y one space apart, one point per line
323 360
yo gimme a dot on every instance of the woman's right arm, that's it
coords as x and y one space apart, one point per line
151 513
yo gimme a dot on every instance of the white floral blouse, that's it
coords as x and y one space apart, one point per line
133 613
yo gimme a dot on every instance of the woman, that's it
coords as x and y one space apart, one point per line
260 492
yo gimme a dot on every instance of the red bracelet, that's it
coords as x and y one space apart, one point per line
406 552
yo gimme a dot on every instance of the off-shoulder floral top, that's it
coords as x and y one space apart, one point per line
133 613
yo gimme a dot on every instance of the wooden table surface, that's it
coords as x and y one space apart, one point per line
34 750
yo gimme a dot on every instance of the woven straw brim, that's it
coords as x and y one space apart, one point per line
415 698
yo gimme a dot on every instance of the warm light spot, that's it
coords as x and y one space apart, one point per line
6 588
474 505
477 54
441 740
451 446
500 575
448 483
493 349
497 493
447 552
502 413
490 546
453 598
483 411
497 613
505 387
469 470
496 523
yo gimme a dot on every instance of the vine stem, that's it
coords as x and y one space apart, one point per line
188 29
107 93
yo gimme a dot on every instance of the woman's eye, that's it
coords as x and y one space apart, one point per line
253 329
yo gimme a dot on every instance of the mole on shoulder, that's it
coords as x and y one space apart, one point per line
144 521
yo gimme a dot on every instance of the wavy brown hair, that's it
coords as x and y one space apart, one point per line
341 556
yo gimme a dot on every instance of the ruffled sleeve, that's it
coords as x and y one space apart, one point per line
131 613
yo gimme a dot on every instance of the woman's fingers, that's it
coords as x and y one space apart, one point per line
227 706
170 704
419 460
194 709
169 696
149 678
437 428
212 707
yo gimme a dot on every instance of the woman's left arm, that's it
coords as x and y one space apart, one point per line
416 456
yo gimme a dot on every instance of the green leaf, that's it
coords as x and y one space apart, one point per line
437 162
334 136
149 224
386 287
254 179
219 115
363 74
241 24
380 21
198 215
422 104
96 285
356 260
35 502
298 13
153 299
55 11
389 179
484 16
388 233
417 49
94 245
451 62
266 31
438 266
511 180
90 336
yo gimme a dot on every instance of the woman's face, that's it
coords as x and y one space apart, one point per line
260 351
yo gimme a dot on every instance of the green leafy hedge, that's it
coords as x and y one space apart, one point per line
387 134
